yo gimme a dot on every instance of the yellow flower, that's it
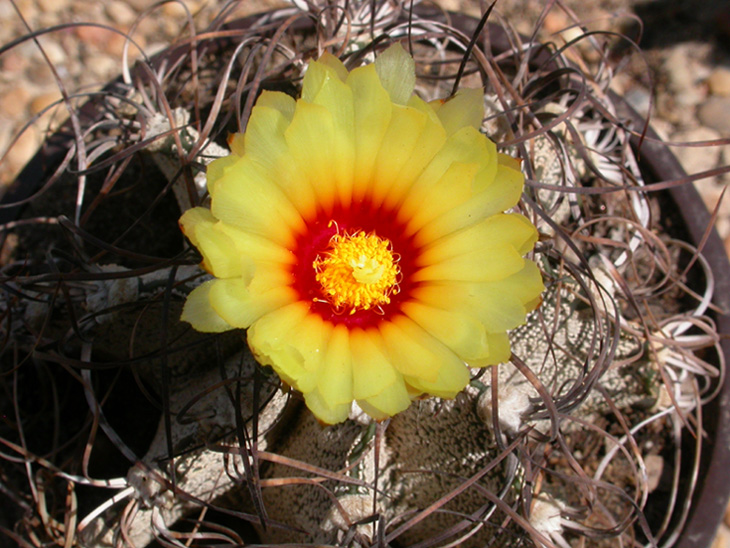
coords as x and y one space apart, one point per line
358 234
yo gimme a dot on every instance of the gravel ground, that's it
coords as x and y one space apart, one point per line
686 50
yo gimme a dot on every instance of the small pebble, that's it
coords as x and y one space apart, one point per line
700 158
639 98
722 539
121 12
715 113
53 6
719 82
14 100
21 152
44 100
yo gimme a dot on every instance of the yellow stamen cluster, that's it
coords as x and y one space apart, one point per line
358 272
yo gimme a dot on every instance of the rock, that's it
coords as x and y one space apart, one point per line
53 6
53 50
555 21
715 113
13 63
44 100
22 151
722 539
654 468
719 82
92 35
695 159
121 12
639 98
679 72
15 100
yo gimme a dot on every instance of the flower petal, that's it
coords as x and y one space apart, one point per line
452 378
335 379
217 168
493 196
498 312
233 301
415 353
372 372
198 312
448 179
397 72
324 412
318 151
466 108
293 342
372 110
319 73
495 232
391 400
499 350
244 197
264 142
410 143
331 92
478 265
525 285
252 245
200 227
462 333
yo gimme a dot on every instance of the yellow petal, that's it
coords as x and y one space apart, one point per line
429 144
452 378
448 179
236 304
323 411
462 333
293 341
198 312
220 256
372 111
479 265
255 246
410 143
372 371
217 168
414 352
334 95
497 231
319 73
423 205
318 154
278 101
218 249
397 72
498 195
499 350
266 145
335 378
191 218
498 312
270 341
247 199
466 108
525 285
390 401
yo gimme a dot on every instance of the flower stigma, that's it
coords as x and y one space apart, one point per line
359 271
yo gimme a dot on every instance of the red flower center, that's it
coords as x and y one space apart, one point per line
328 229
